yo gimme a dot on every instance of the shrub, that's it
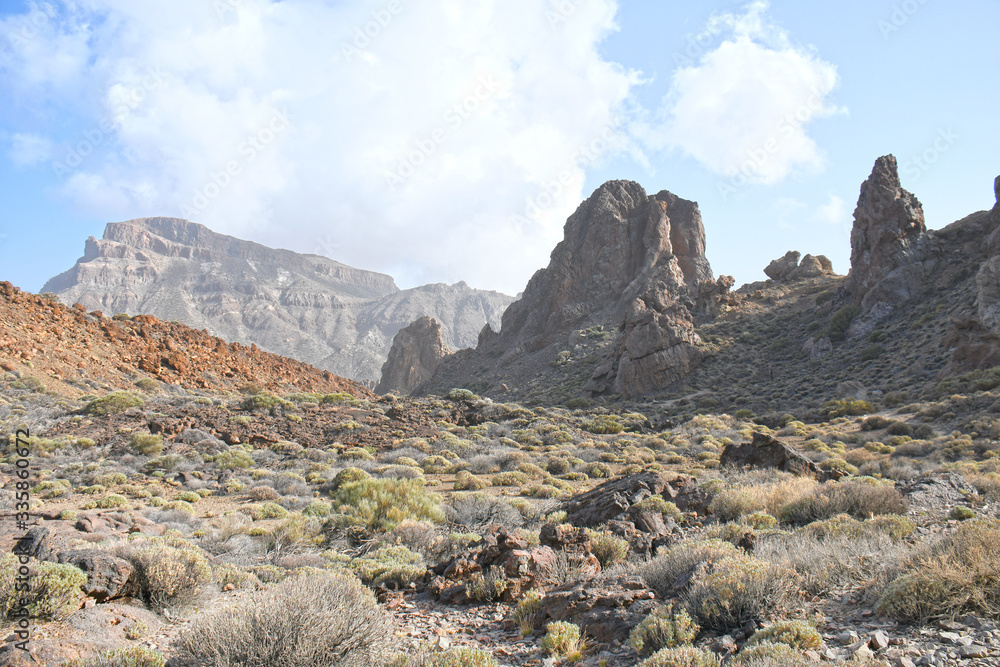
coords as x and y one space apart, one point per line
961 513
264 402
112 501
381 504
480 511
841 321
608 548
860 499
461 395
738 589
466 481
562 640
110 478
269 511
113 403
663 629
326 619
658 504
233 458
454 657
960 574
668 566
797 634
846 407
394 567
170 570
528 612
488 587
130 656
188 496
55 588
147 444
768 654
681 656
436 465
510 478
604 424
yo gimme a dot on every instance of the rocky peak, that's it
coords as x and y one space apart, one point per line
416 352
885 239
618 242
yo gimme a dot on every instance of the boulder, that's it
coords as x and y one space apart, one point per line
612 498
809 267
605 610
779 269
767 452
107 576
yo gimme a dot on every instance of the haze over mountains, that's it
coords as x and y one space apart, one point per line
308 307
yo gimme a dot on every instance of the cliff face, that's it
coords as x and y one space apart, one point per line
311 308
622 289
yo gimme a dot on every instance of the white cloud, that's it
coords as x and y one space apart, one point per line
744 108
28 150
284 122
834 212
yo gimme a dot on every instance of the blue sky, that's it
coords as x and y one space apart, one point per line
449 141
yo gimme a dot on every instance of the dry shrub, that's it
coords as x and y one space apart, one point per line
835 561
170 570
307 621
859 498
681 656
131 656
732 503
960 574
663 571
737 589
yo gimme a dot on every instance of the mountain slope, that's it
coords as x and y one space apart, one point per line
311 308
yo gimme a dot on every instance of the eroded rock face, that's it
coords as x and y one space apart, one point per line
416 352
767 452
779 268
333 316
788 268
885 240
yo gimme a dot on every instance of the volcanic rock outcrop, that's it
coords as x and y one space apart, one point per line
886 240
789 268
416 352
308 307
628 263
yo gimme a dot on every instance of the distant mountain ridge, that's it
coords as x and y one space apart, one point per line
325 313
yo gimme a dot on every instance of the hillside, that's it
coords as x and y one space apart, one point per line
307 307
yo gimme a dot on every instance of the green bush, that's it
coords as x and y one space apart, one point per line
323 619
604 424
461 395
131 656
510 478
562 640
394 567
798 634
381 504
767 654
681 656
264 402
55 588
841 321
488 587
528 612
608 548
466 481
663 628
846 408
454 657
147 444
233 458
113 403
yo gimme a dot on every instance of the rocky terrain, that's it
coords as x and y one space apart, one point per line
662 472
307 307
918 305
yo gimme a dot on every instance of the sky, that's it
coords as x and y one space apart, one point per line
449 140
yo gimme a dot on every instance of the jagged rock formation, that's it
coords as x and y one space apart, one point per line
307 307
789 268
416 352
885 240
628 263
